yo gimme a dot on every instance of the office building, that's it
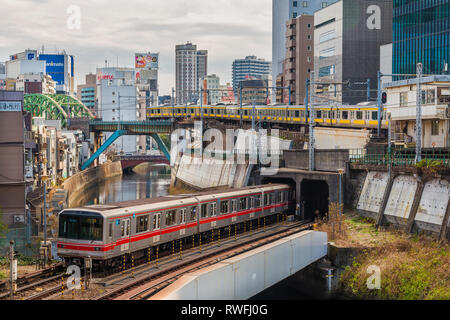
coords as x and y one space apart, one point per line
249 68
189 64
87 93
421 33
146 65
347 44
283 10
299 58
61 68
118 101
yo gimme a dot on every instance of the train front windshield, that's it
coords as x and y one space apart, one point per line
79 225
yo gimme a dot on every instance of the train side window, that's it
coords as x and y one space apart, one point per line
183 216
352 114
156 221
318 114
142 224
204 211
192 213
243 203
224 206
125 227
258 201
170 217
234 205
338 114
345 115
297 113
374 115
359 115
266 199
252 203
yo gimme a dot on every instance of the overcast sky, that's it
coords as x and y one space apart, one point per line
113 29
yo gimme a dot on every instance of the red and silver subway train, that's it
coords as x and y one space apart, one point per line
105 233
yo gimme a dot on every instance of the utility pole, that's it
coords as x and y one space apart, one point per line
379 75
45 218
419 114
240 102
311 125
13 269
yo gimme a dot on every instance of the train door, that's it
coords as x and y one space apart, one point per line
157 226
125 235
182 222
233 209
213 214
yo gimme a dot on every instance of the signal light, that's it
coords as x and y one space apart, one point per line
384 97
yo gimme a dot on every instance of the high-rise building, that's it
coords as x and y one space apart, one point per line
421 33
299 57
254 92
202 64
87 93
247 69
283 10
190 64
347 44
146 65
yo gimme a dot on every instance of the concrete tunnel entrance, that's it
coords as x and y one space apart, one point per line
288 181
314 195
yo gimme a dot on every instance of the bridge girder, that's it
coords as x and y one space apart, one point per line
56 107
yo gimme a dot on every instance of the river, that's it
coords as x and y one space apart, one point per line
144 182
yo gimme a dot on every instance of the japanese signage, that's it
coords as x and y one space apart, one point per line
146 60
11 106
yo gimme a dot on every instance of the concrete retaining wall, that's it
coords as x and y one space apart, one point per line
211 173
325 160
433 205
245 275
76 184
372 194
334 138
400 201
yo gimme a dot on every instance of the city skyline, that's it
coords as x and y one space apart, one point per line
118 37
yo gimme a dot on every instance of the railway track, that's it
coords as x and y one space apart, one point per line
155 279
28 284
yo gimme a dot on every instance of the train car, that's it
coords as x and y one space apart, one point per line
107 232
362 115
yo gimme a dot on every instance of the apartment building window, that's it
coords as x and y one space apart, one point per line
294 3
403 99
309 25
428 96
309 37
308 59
309 48
434 127
328 35
294 15
324 4
305 4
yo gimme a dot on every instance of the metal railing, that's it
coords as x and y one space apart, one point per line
401 157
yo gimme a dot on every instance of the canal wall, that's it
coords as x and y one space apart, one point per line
78 183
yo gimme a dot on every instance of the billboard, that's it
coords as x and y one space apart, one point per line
54 65
146 60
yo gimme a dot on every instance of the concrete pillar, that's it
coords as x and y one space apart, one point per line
444 225
387 192
415 205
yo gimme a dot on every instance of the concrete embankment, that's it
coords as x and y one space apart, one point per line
78 183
